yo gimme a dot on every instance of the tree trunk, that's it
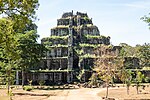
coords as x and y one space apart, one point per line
22 77
8 81
137 89
8 85
123 83
107 85
17 77
128 90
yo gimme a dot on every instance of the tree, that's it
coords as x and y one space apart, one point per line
94 80
138 80
144 55
107 65
30 51
145 51
146 19
16 17
8 49
125 76
127 50
20 11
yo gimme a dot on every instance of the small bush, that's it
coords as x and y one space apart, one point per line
147 80
30 82
28 88
42 82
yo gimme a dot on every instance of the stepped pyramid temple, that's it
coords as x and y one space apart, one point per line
71 50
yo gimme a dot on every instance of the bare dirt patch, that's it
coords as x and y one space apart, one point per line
66 94
76 94
121 93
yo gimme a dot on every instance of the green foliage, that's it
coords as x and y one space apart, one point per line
144 55
86 18
62 26
41 82
21 12
89 56
80 75
139 79
127 50
57 45
2 78
107 66
125 75
90 45
30 82
146 68
142 52
8 40
47 43
17 21
131 62
147 79
24 8
8 49
94 80
55 38
37 71
79 51
30 50
95 36
59 37
27 88
146 19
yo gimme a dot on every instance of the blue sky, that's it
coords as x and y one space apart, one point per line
119 19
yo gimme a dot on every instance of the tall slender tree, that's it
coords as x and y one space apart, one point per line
8 48
125 76
107 65
16 16
138 79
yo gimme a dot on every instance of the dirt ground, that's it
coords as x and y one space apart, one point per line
77 94
67 94
121 93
